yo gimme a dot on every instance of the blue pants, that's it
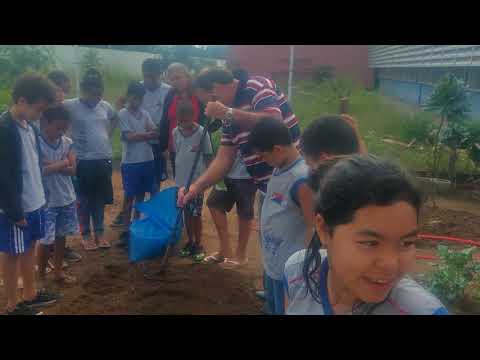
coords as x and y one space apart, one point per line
274 295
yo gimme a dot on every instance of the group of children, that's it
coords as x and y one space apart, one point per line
337 225
338 230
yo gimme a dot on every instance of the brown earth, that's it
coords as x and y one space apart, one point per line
108 284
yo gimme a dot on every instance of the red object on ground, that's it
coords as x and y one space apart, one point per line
450 239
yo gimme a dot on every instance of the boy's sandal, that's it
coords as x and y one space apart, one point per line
185 252
233 264
214 259
67 280
199 257
51 266
89 245
104 244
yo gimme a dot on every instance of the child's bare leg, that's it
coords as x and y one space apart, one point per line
244 230
58 255
127 210
197 229
138 199
189 228
43 254
220 219
10 279
27 269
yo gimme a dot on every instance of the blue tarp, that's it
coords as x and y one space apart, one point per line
150 236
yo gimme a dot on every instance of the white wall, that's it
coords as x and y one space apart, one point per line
129 61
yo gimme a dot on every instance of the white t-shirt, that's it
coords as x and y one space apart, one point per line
138 151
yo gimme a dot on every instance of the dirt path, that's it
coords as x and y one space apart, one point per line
109 285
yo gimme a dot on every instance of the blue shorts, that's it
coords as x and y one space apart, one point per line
274 295
60 222
15 240
138 178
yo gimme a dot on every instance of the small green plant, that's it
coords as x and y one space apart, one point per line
450 100
323 73
455 272
417 127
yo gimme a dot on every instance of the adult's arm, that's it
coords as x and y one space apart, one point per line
248 118
362 147
139 136
218 169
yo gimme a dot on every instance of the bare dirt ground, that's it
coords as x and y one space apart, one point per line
108 284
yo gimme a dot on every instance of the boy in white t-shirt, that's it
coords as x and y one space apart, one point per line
59 165
138 167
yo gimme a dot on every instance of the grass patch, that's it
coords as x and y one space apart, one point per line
377 118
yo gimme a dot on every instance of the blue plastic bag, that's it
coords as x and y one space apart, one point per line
149 237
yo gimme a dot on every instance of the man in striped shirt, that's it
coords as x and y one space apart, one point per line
240 104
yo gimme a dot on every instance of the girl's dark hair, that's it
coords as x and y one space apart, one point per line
34 88
345 184
92 79
331 135
55 113
137 89
58 77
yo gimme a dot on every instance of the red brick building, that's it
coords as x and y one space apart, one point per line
273 60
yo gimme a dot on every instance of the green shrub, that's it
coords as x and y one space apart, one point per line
454 273
419 126
323 73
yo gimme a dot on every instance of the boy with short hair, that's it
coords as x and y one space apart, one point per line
331 135
59 165
138 168
61 80
22 196
186 141
287 212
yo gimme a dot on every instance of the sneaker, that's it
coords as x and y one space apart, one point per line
186 251
198 253
43 298
71 255
23 309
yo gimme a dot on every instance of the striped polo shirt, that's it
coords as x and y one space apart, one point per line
258 94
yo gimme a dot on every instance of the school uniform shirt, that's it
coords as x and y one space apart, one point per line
283 229
186 148
238 170
33 195
59 188
90 129
153 103
138 151
258 94
15 151
406 298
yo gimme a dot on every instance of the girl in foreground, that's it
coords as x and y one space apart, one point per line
366 217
